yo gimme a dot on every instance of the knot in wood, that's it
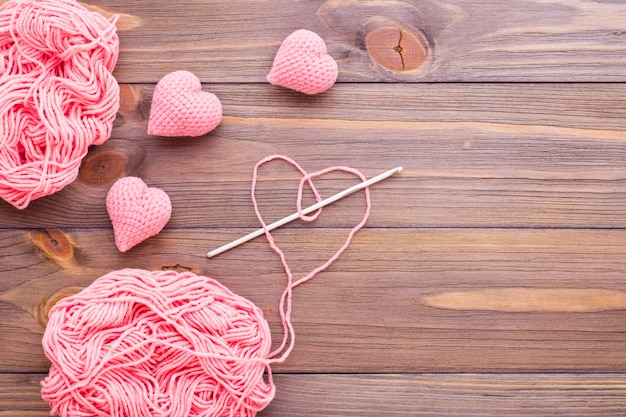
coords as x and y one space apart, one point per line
177 268
44 307
103 167
54 244
397 50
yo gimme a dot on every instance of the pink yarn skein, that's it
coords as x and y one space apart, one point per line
139 343
57 93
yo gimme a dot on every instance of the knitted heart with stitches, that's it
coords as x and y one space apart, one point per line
302 63
137 211
180 107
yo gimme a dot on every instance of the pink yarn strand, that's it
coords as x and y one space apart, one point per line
285 306
138 343
57 93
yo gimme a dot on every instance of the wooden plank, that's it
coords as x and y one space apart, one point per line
448 395
493 158
405 40
400 300
402 395
494 262
20 397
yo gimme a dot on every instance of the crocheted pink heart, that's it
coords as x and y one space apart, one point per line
303 64
180 107
136 211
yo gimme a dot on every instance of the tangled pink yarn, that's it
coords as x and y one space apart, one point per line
142 344
137 343
57 93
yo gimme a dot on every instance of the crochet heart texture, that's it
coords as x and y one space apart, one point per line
137 211
302 63
180 107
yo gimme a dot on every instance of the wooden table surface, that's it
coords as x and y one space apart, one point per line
491 277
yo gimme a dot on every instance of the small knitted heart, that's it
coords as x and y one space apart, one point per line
180 107
302 63
136 211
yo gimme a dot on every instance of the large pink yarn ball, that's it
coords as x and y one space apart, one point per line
141 343
57 93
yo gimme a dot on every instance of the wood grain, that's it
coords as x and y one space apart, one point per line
402 395
423 304
490 278
458 40
448 395
474 156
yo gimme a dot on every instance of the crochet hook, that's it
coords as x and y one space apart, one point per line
307 210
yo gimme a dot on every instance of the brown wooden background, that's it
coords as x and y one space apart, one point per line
491 278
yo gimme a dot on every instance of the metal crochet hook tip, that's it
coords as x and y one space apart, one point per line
307 210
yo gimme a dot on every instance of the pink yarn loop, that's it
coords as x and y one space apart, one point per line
137 343
289 335
58 95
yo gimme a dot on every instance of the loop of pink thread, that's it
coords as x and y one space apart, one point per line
137 343
57 93
285 305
